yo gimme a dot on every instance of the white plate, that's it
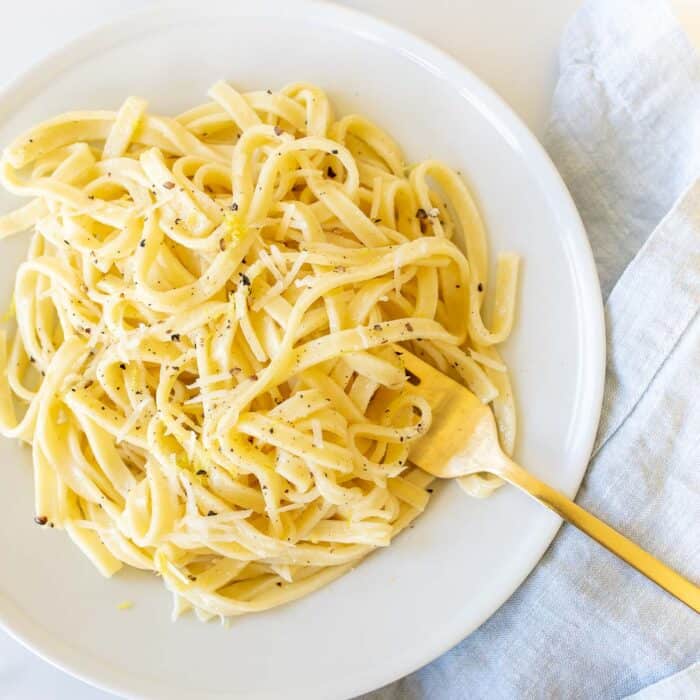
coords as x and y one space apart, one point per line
407 604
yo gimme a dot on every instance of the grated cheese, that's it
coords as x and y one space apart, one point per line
277 257
207 395
281 285
191 445
307 282
269 263
291 506
211 379
132 420
317 433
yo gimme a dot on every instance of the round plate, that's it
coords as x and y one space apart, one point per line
439 580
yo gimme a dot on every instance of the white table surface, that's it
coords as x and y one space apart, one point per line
508 43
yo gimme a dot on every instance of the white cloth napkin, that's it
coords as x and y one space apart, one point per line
624 134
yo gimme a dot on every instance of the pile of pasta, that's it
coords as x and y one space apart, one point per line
207 360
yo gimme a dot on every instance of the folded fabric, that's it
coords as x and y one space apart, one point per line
623 133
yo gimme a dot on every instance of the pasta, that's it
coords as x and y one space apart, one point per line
209 322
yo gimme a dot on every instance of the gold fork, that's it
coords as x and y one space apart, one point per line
463 440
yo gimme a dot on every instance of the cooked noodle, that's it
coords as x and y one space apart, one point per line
207 361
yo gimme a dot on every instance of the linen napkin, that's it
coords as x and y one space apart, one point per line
624 135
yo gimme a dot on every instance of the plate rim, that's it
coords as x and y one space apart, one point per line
30 82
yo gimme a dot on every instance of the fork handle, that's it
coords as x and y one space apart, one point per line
678 586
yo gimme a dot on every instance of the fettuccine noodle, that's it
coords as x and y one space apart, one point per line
210 320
